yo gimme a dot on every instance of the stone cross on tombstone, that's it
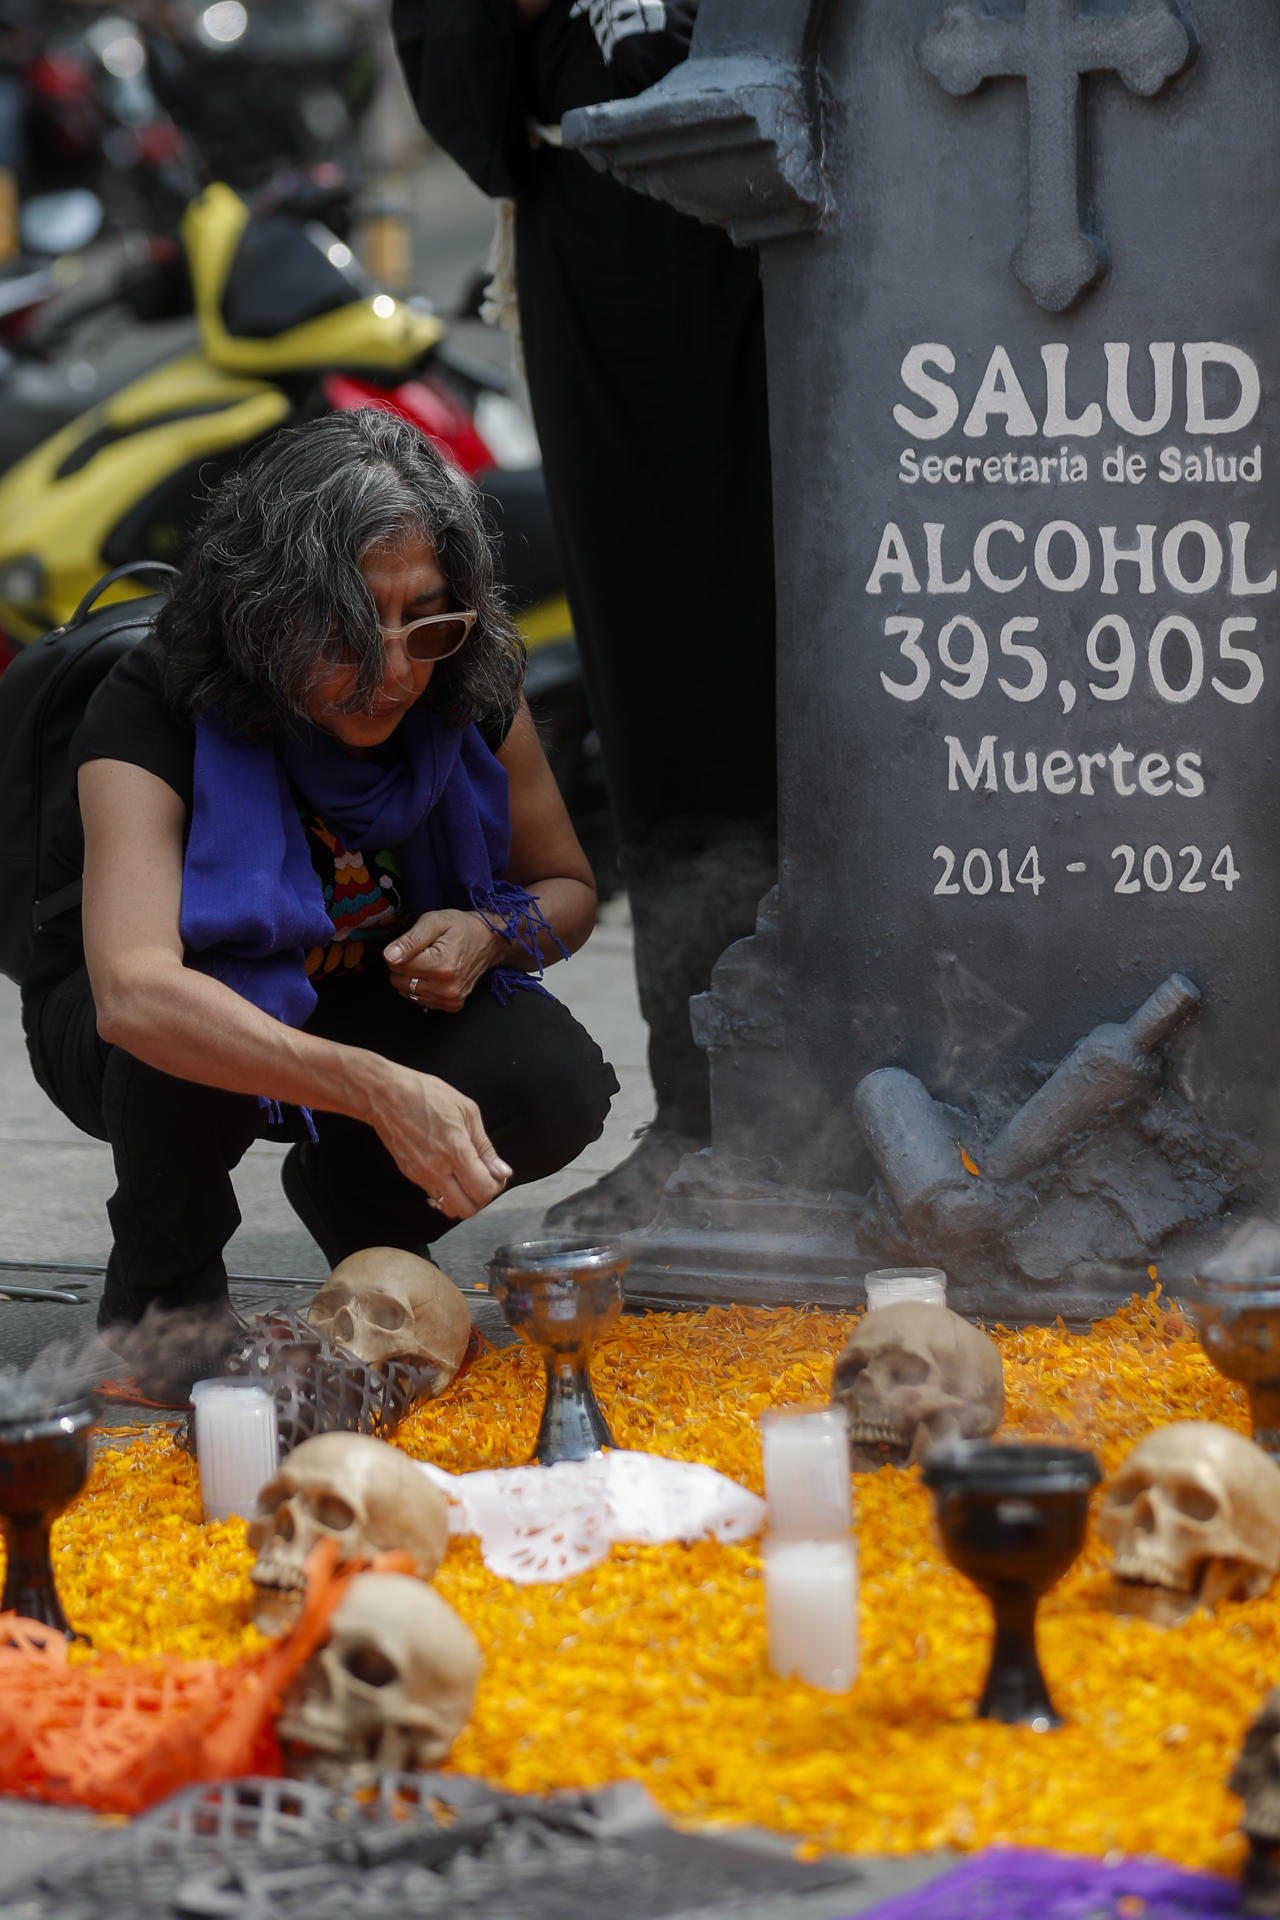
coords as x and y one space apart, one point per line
1052 46
1013 1009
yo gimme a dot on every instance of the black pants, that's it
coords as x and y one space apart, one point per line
539 1080
644 342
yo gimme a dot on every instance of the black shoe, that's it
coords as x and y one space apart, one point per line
171 1348
626 1198
303 1190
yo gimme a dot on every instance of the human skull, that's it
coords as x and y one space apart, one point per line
913 1374
1256 1774
1196 1509
344 1487
390 1690
384 1304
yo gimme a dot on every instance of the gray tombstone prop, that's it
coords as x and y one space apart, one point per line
1013 1008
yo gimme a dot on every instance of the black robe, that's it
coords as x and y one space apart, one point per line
644 349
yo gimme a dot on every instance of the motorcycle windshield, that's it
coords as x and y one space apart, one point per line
285 271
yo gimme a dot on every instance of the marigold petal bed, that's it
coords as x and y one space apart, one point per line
652 1664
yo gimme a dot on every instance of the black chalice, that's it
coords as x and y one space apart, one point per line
44 1462
560 1296
1239 1323
1012 1518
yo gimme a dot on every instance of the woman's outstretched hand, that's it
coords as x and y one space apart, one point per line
436 1137
438 962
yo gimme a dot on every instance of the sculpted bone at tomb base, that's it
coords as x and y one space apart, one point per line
912 1375
1195 1509
349 1488
390 1690
385 1304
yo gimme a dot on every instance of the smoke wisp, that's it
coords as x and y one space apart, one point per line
58 1377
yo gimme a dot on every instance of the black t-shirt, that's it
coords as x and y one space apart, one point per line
128 719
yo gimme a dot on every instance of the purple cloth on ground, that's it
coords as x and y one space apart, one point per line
251 901
1017 1884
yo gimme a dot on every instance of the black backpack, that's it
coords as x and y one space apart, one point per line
43 695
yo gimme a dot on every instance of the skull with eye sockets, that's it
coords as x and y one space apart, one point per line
347 1487
391 1689
385 1304
911 1375
1195 1509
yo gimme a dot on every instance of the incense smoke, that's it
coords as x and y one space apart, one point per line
59 1376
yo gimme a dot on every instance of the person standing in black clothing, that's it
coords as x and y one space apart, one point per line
644 350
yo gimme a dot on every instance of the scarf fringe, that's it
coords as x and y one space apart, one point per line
516 915
275 1116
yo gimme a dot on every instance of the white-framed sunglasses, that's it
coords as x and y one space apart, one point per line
436 636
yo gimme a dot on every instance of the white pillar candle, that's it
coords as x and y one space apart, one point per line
807 1485
891 1285
236 1444
811 1605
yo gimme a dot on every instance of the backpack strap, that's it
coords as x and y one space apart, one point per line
61 900
130 568
64 898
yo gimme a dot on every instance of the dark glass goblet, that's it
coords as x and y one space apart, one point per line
44 1462
1012 1517
1239 1325
561 1296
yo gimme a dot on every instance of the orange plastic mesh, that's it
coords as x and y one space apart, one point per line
99 1732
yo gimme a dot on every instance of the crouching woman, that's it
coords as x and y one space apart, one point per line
325 863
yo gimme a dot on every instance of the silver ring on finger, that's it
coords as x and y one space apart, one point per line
413 988
437 1202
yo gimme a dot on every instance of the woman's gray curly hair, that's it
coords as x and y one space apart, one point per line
271 594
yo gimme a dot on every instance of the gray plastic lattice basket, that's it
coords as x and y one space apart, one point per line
319 1387
415 1847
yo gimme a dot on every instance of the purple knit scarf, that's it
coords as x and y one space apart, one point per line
252 903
